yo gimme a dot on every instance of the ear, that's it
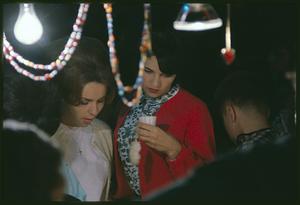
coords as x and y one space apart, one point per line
231 112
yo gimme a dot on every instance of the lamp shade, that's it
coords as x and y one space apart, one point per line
197 17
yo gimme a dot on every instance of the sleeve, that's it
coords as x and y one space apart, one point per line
198 147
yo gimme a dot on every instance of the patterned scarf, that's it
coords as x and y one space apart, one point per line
147 107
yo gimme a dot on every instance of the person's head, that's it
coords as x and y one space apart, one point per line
161 68
31 101
86 82
30 164
242 101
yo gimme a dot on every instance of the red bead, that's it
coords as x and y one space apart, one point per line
228 55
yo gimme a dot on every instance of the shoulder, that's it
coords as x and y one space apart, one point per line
188 100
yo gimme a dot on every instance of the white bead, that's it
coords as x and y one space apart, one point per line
72 49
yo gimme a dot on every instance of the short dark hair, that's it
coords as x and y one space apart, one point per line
30 167
89 63
31 101
243 88
165 46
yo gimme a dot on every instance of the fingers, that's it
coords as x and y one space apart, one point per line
144 132
145 126
147 139
153 146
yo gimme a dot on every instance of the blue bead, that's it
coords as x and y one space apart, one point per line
139 80
121 92
185 7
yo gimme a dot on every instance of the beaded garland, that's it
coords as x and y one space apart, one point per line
145 50
56 65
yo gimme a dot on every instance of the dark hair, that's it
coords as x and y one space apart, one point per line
30 167
243 88
31 101
165 48
89 63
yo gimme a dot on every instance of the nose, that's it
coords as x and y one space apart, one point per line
94 109
156 81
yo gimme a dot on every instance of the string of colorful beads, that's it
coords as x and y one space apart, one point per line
145 50
56 65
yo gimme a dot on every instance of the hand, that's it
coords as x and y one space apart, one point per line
158 139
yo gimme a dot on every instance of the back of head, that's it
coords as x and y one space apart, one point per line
244 89
30 165
31 101
89 63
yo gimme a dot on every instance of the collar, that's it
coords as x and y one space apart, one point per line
249 136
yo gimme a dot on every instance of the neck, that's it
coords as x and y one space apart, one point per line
252 122
249 122
254 126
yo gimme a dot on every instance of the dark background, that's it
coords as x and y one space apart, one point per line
263 34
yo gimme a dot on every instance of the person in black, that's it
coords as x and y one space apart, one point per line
243 101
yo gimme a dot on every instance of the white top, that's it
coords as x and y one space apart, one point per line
83 149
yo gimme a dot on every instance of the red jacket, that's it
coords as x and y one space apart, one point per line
187 119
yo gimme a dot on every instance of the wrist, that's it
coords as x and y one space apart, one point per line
172 154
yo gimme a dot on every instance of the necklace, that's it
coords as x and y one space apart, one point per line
13 57
145 50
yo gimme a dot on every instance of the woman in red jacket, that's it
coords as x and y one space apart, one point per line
182 138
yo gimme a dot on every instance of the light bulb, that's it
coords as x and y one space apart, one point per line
28 29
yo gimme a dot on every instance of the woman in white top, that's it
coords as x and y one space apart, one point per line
86 85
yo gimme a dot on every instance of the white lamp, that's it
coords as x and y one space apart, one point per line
28 29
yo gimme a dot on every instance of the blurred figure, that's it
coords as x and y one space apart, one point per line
266 174
281 64
31 101
38 103
30 164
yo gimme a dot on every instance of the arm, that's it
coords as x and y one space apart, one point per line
197 147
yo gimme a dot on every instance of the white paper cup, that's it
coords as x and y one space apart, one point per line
151 120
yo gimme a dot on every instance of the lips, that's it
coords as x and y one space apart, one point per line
153 90
87 120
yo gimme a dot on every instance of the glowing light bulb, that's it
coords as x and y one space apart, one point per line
28 29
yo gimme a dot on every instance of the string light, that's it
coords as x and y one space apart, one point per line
145 50
70 47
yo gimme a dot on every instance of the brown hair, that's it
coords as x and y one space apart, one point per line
89 63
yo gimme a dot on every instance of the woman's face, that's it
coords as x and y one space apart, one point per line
156 83
91 103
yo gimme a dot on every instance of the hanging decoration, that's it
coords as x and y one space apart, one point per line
145 50
14 58
228 53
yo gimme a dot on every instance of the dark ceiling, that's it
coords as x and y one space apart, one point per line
258 30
